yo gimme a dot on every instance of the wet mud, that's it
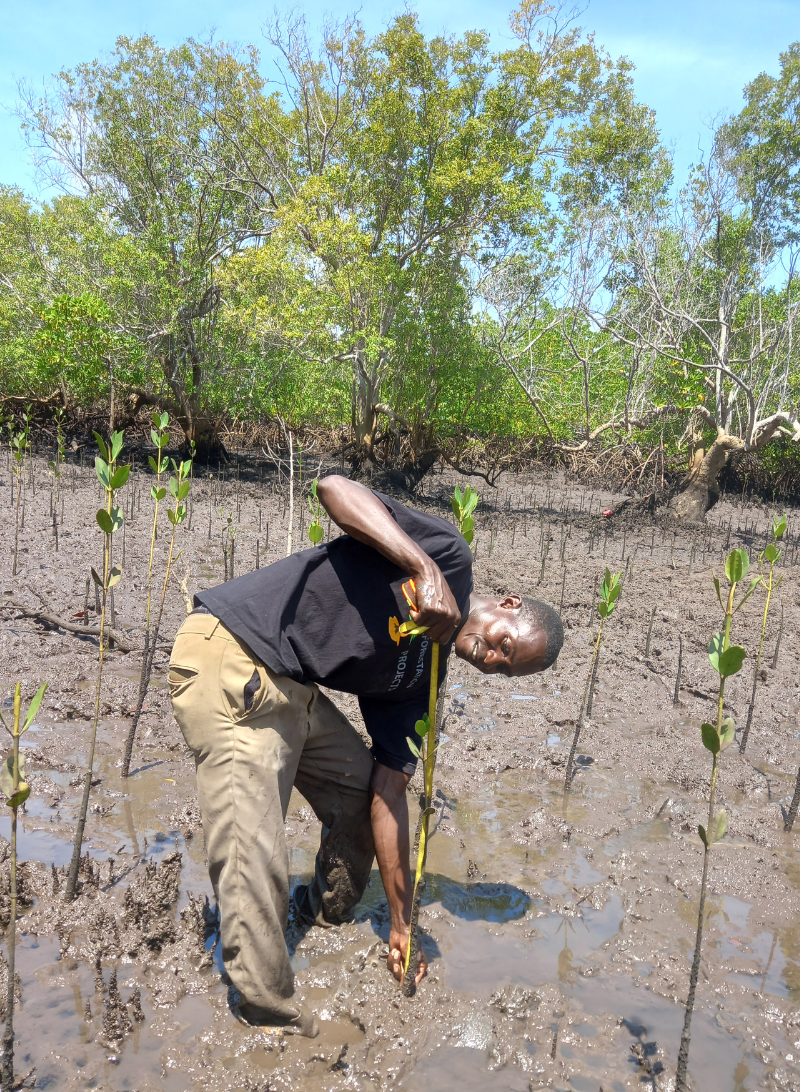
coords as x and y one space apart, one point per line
559 936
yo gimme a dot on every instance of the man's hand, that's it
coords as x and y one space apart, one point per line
362 516
398 945
436 607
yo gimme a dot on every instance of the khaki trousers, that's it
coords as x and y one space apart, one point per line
250 747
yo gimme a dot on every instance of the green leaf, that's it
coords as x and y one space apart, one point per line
20 796
731 660
603 609
33 708
315 533
421 727
727 734
153 464
771 552
121 475
467 536
715 649
615 593
413 747
183 490
779 527
163 440
14 799
471 503
454 504
102 446
114 576
180 513
117 518
173 486
102 471
105 522
155 437
96 577
159 494
719 592
718 826
116 444
710 738
701 830
186 468
164 420
172 517
737 566
467 526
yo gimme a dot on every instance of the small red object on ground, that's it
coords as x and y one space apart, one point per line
607 512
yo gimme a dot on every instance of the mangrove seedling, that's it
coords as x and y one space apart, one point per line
426 729
315 531
179 485
160 438
727 660
56 464
610 591
769 556
228 546
464 504
109 519
18 443
16 791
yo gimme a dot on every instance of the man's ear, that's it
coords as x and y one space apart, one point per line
510 602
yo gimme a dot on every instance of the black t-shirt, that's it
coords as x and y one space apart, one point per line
326 615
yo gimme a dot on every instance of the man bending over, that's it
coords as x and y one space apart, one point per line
244 679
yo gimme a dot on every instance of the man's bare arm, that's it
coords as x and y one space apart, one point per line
390 831
361 515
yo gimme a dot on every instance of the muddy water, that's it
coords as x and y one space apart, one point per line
559 938
540 968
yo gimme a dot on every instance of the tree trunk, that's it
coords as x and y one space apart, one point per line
700 490
204 431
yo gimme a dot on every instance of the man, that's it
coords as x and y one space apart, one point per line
244 680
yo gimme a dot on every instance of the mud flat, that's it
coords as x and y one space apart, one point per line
560 939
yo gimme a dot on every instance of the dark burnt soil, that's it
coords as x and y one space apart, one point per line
560 937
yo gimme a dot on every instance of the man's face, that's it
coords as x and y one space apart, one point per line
498 642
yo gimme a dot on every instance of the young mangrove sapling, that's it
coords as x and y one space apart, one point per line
179 486
160 438
426 729
770 556
109 519
315 531
610 591
16 791
18 444
464 504
727 660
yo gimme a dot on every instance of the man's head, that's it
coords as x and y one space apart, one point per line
509 636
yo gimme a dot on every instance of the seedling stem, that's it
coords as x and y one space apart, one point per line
726 659
109 519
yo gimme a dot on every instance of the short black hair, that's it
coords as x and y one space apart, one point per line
540 616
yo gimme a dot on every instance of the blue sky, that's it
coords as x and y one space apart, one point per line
692 57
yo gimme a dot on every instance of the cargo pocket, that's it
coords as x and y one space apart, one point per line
250 690
179 678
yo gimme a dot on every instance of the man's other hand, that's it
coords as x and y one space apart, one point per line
436 607
398 946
